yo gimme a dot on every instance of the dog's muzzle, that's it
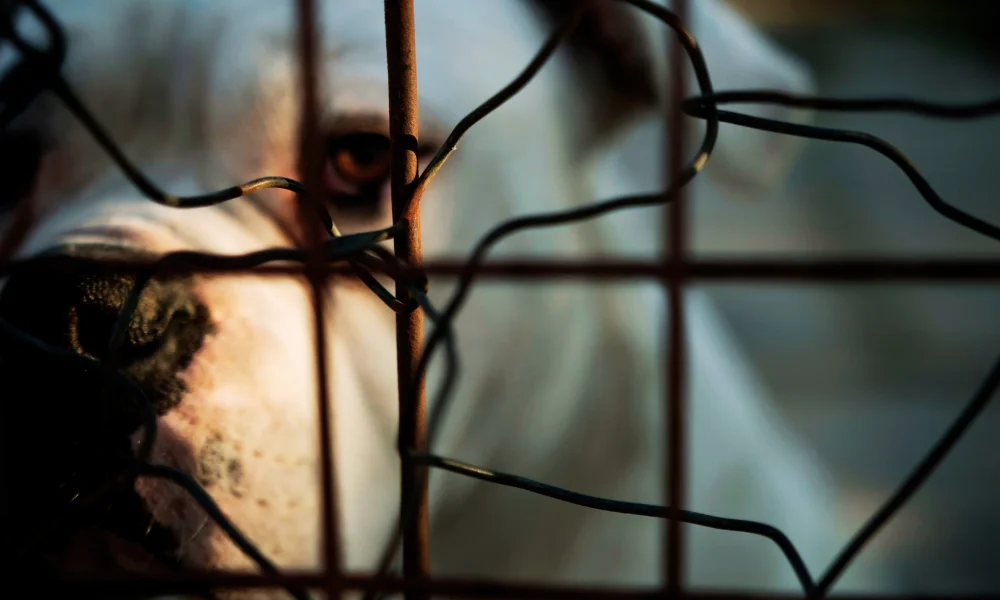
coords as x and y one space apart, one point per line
66 431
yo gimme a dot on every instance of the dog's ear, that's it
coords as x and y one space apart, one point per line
610 48
628 51
747 164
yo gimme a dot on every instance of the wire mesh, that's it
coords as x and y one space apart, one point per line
333 254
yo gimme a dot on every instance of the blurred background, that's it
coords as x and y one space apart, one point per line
873 374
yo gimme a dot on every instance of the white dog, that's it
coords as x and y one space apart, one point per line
560 382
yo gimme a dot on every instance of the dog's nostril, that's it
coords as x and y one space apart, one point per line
86 309
78 310
70 427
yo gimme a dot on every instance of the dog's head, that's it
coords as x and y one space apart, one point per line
205 95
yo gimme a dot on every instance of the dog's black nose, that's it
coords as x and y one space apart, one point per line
65 430
77 310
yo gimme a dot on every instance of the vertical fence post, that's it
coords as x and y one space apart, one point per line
674 267
403 131
312 164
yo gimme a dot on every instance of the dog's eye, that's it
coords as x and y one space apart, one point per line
359 160
356 177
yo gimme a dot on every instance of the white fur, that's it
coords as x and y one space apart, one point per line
561 382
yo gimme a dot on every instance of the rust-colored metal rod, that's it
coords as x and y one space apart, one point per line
403 131
675 261
312 163
193 582
737 271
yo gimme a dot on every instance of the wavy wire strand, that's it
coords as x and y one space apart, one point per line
627 508
698 107
703 106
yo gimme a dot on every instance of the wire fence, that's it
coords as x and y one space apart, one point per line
38 71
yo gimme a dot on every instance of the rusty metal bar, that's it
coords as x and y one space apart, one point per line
720 270
182 582
737 271
312 164
401 52
674 262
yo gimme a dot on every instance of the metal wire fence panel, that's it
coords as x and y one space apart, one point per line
360 255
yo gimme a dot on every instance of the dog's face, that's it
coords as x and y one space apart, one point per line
204 95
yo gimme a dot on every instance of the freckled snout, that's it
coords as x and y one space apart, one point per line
63 434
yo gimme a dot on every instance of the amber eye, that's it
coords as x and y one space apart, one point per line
360 159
